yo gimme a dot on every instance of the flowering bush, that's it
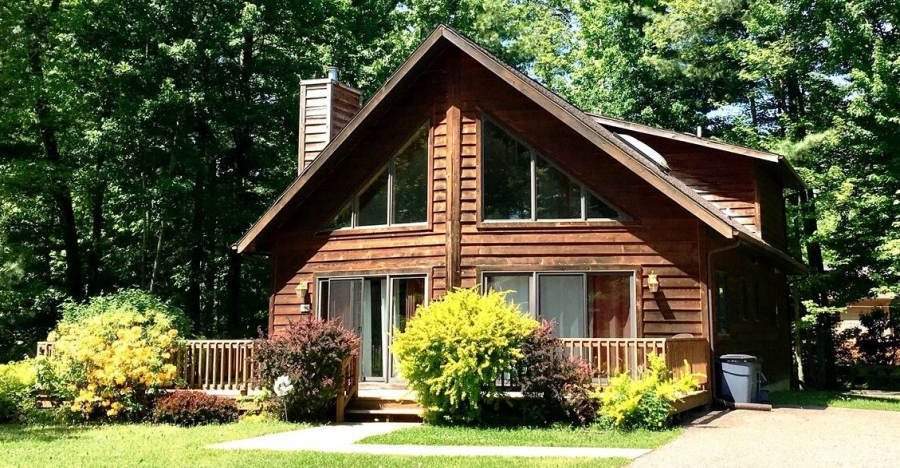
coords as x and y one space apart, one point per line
17 390
556 387
105 363
186 408
629 403
303 366
454 350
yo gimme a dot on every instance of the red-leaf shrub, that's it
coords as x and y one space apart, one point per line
310 353
556 387
186 408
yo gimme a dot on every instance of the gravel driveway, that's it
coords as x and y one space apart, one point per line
784 438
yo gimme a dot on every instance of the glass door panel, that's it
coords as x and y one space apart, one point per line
407 294
561 299
609 306
344 303
373 329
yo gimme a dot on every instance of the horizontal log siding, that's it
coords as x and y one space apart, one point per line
663 237
772 210
726 181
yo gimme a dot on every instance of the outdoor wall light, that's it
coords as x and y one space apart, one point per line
302 289
653 282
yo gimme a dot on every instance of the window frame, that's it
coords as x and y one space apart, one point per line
534 155
534 290
389 167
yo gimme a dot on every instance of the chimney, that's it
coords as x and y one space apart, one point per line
326 107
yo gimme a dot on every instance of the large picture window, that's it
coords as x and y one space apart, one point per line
582 304
518 184
398 195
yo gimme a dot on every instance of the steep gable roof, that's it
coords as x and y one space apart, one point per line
582 123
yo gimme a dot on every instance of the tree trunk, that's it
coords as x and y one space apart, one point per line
60 192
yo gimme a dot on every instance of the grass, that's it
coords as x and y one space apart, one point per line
553 437
159 446
834 400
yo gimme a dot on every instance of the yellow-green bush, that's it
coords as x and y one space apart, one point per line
105 364
454 350
628 403
17 390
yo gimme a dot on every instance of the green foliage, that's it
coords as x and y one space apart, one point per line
455 349
629 403
130 300
106 364
308 358
555 385
186 408
17 390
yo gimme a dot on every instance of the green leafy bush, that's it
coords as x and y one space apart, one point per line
306 359
628 403
133 300
186 408
454 350
17 390
108 357
557 388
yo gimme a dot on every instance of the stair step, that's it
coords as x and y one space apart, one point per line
398 411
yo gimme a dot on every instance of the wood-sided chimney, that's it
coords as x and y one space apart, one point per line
326 107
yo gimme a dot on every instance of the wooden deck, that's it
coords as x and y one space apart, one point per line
226 367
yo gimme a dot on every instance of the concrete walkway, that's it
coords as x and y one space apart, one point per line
342 438
784 438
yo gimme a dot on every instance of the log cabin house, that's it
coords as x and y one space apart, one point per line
462 171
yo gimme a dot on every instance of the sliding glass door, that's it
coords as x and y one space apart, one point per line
371 307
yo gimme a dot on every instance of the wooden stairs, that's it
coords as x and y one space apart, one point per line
380 404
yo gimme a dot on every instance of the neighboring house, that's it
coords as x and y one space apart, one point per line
850 317
462 171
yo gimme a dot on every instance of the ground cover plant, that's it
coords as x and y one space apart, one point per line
834 400
305 361
454 350
164 446
187 408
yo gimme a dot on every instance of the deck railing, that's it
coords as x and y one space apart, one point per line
349 385
225 365
228 364
610 356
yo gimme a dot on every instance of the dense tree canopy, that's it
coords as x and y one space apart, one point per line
139 140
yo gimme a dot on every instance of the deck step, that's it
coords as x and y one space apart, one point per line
383 415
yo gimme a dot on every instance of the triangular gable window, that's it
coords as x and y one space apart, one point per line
521 185
398 195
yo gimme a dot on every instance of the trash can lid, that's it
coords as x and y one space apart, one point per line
737 357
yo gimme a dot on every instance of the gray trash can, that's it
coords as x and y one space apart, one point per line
739 378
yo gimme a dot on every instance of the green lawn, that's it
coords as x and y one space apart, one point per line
834 400
554 437
118 446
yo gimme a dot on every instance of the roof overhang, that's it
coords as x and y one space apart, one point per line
577 120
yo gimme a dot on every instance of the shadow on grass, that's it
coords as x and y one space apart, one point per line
23 433
824 399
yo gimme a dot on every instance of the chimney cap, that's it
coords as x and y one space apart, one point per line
333 73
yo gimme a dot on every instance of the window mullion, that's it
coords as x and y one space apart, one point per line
583 203
533 185
390 194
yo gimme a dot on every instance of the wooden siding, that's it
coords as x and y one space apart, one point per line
758 311
772 210
662 236
325 109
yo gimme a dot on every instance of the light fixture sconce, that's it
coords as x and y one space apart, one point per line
653 282
301 290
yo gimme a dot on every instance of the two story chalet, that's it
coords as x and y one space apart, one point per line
462 171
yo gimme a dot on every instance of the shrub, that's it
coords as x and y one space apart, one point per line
310 353
186 408
454 350
17 390
133 300
556 387
629 403
105 363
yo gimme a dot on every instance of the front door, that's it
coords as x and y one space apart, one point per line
371 307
